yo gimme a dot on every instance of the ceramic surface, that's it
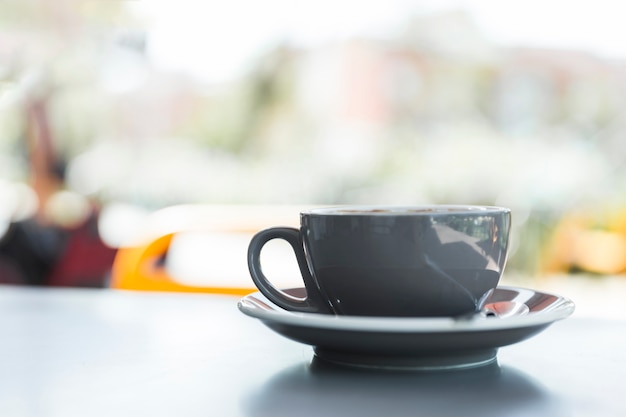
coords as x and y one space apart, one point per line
514 314
424 261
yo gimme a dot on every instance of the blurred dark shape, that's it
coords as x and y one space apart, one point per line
60 247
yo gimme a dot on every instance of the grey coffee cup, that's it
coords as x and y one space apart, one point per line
425 261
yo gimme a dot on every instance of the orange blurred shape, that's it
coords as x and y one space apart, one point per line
142 268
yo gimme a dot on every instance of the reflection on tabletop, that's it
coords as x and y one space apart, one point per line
557 373
489 391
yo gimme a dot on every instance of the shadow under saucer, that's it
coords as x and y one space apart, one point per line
322 388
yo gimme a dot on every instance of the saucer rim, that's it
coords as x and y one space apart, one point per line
560 308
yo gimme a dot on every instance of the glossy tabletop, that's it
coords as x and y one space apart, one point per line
71 352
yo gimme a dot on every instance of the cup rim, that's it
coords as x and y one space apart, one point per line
404 210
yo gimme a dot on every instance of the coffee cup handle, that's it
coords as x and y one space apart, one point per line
313 302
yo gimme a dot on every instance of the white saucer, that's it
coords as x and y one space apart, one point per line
415 343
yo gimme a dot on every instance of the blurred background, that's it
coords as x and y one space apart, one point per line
111 111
